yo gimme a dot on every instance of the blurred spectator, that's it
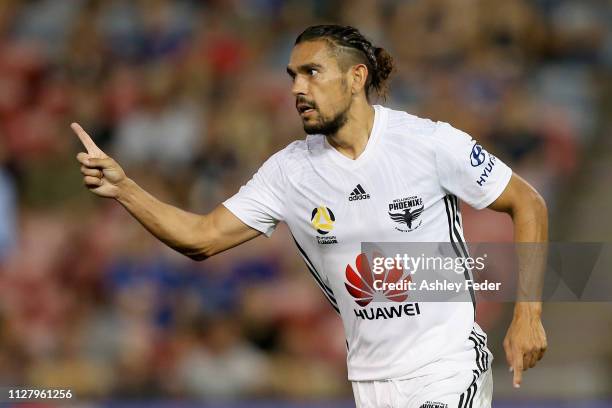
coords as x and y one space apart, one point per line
8 209
219 364
166 131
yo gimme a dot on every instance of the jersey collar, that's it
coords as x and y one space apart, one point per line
380 119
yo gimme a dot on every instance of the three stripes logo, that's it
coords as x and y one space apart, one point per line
358 193
466 400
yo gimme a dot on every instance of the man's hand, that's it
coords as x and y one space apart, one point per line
525 341
196 236
101 174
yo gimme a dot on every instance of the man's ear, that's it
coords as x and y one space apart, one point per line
359 75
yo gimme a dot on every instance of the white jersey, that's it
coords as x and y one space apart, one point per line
332 204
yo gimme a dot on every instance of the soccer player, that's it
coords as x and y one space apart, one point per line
364 173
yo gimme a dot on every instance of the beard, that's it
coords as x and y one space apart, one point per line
328 126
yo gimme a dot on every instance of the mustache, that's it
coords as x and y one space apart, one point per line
301 100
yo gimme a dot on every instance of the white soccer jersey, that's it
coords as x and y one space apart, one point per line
332 204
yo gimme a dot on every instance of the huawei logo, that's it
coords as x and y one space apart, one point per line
366 286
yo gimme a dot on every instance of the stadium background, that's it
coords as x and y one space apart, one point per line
191 97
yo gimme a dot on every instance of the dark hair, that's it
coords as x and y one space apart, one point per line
347 38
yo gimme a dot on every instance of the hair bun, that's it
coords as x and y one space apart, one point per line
384 67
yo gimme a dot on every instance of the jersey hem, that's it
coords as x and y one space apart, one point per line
494 194
266 231
401 375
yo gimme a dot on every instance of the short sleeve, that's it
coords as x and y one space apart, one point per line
259 203
466 169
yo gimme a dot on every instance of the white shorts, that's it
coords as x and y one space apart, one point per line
448 390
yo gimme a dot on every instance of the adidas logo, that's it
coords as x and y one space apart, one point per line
358 193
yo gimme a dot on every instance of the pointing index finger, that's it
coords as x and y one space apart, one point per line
517 369
89 144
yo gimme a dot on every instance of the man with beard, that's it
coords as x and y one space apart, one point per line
364 173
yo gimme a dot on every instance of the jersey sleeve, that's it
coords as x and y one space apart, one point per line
259 203
466 169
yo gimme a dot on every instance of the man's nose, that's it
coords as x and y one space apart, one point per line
300 86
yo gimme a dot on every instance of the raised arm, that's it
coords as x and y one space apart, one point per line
525 341
194 235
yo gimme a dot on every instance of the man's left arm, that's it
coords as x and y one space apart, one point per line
525 341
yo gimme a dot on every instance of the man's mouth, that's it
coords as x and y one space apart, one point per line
304 109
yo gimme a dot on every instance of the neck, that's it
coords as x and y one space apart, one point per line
352 139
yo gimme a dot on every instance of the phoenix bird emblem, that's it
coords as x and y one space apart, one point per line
408 216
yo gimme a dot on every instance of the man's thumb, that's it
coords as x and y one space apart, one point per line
102 163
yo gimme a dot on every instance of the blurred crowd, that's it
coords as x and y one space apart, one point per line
191 97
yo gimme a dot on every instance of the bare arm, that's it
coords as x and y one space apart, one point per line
525 341
196 236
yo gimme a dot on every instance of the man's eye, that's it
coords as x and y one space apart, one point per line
313 72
